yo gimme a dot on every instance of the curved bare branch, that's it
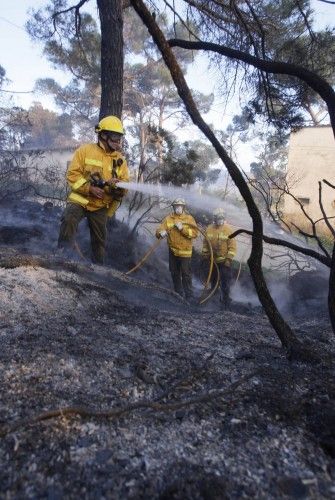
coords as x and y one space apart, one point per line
76 8
318 84
292 246
328 183
282 329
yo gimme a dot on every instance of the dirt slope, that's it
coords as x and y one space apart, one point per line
73 335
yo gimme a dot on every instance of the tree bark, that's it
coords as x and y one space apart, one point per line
331 291
111 23
284 332
318 84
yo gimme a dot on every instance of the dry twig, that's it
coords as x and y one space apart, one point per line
84 411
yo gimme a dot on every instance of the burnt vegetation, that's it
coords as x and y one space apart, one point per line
112 385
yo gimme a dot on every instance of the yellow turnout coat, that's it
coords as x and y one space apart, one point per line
92 159
223 247
180 242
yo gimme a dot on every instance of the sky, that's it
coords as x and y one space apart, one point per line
24 62
20 57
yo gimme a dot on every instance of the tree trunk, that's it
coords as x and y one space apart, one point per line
111 22
284 332
318 84
331 291
143 148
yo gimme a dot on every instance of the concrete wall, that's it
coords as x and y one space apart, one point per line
311 158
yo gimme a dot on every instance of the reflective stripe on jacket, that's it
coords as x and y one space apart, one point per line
180 242
89 159
223 247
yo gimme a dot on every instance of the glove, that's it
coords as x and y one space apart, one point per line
227 262
162 234
179 225
117 193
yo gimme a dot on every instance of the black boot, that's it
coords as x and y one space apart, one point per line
225 303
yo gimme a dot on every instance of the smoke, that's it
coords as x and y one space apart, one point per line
244 295
237 216
34 229
29 226
193 199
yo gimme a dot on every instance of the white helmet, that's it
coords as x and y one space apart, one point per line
178 201
219 212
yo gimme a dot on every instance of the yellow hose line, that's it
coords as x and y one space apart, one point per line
145 256
238 273
240 267
211 254
155 245
215 287
212 264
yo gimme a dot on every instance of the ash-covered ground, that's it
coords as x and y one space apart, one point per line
212 408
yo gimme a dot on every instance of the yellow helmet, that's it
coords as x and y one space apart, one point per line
111 124
178 201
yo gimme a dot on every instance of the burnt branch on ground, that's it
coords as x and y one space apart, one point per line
117 412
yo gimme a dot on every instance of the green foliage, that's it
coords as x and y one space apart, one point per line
274 31
47 129
187 163
79 56
37 128
148 87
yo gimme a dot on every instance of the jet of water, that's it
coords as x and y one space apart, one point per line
238 216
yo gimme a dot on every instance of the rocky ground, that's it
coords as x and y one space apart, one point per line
152 397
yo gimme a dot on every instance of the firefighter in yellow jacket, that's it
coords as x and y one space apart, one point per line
180 229
92 176
224 251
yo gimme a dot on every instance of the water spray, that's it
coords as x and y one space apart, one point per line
238 216
193 199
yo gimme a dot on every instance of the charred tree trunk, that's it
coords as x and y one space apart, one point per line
331 291
284 332
111 22
318 84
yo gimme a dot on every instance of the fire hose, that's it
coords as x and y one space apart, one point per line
145 256
153 248
155 245
212 292
218 281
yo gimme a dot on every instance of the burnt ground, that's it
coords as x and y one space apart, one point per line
226 414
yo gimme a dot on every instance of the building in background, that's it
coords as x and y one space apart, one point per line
311 158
